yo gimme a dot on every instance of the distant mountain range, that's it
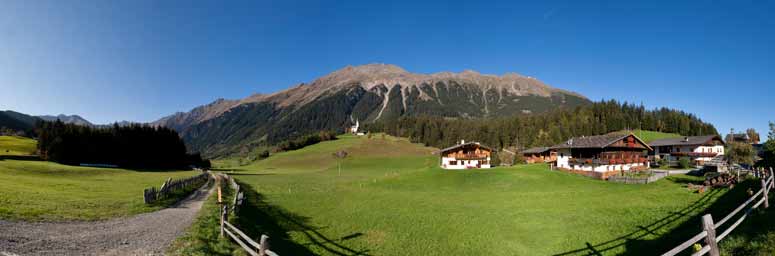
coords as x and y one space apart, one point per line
368 93
16 121
71 119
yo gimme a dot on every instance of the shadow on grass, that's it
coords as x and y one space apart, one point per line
635 242
21 158
259 217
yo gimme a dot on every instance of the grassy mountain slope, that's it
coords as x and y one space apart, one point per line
391 198
649 136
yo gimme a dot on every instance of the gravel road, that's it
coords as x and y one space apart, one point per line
143 234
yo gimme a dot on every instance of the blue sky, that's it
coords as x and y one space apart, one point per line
141 60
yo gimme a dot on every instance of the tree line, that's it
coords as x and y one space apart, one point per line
135 146
545 129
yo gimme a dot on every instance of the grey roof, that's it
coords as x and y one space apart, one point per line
462 145
599 141
689 141
536 150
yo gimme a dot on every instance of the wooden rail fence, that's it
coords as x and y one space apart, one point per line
709 233
151 194
254 248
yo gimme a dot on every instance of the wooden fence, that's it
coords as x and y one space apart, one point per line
709 228
654 176
151 194
239 196
260 248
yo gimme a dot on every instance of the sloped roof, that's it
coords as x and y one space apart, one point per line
536 150
599 141
463 145
688 141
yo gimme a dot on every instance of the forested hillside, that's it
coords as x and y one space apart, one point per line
15 123
545 129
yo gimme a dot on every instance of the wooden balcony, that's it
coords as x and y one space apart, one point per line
694 154
608 161
468 156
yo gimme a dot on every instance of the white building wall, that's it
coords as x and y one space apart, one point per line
563 156
452 164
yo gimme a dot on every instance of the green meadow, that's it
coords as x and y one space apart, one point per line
37 190
391 198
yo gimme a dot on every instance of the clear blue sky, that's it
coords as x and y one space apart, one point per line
141 60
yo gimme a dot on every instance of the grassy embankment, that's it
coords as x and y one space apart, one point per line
39 190
391 198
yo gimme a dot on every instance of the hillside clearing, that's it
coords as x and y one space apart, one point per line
391 198
16 146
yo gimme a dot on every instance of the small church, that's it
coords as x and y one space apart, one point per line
472 155
355 128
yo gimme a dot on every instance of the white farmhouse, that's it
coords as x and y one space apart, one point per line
470 155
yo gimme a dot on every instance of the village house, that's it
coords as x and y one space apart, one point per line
701 150
470 155
602 156
539 155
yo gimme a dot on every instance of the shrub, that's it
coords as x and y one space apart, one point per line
663 162
684 162
263 154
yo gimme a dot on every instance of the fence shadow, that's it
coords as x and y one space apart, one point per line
635 242
21 158
692 226
259 217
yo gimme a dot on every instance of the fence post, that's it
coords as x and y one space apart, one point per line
264 243
223 218
764 192
710 240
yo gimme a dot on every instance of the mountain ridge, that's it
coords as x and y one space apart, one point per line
368 93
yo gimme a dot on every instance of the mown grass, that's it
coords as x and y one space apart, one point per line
16 146
391 198
39 190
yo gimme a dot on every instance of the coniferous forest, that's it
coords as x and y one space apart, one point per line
545 129
135 146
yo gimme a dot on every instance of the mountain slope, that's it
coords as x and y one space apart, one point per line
374 92
69 119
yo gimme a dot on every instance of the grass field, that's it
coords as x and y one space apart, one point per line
39 190
392 199
16 146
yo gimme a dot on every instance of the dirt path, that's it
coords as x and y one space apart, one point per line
144 234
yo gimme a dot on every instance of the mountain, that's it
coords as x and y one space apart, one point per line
70 119
17 122
368 93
